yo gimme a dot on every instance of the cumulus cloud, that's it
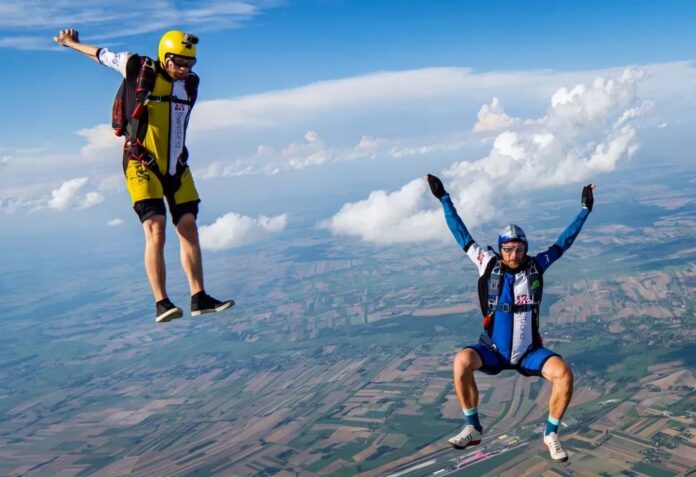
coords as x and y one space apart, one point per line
396 217
587 130
70 195
4 160
492 117
234 230
114 222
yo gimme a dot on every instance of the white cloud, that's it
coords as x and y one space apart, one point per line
276 108
400 98
364 95
586 131
4 160
213 171
114 222
234 230
436 146
369 144
636 112
102 144
10 205
396 217
492 117
27 43
70 196
100 16
312 152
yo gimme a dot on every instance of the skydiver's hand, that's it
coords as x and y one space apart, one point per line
436 186
587 199
66 37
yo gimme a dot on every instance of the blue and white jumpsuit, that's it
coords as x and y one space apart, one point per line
512 336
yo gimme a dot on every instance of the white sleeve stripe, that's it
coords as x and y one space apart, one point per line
480 257
115 61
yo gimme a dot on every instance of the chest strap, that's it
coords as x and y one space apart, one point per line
508 307
168 98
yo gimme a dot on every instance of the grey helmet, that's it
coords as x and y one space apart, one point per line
512 233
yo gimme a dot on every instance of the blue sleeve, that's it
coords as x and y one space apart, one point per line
565 240
455 224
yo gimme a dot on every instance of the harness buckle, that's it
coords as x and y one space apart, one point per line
149 160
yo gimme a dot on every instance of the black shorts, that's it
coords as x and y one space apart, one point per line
148 208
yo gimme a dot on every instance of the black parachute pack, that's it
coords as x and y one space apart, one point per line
129 117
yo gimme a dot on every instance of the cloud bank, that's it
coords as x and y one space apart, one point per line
586 131
312 152
234 230
240 126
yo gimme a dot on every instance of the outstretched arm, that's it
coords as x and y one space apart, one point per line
566 239
70 38
454 222
476 254
116 61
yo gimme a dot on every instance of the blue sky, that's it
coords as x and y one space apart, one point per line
296 94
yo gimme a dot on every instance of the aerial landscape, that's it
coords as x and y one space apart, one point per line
338 362
316 129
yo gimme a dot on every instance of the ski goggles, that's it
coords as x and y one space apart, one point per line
512 248
182 61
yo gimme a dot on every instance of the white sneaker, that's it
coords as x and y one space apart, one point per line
554 446
468 437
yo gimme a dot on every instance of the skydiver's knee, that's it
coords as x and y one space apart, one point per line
154 228
187 225
557 370
466 360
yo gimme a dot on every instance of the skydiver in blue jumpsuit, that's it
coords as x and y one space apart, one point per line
510 288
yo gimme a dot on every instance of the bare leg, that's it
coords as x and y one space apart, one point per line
465 363
154 255
190 251
557 371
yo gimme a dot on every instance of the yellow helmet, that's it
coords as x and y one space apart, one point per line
178 43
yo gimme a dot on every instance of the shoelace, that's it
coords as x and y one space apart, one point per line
556 445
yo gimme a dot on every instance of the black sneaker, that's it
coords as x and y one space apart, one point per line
203 303
166 311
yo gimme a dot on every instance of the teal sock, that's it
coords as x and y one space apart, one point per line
552 425
472 417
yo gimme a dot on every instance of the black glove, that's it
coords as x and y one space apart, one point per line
436 186
587 200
